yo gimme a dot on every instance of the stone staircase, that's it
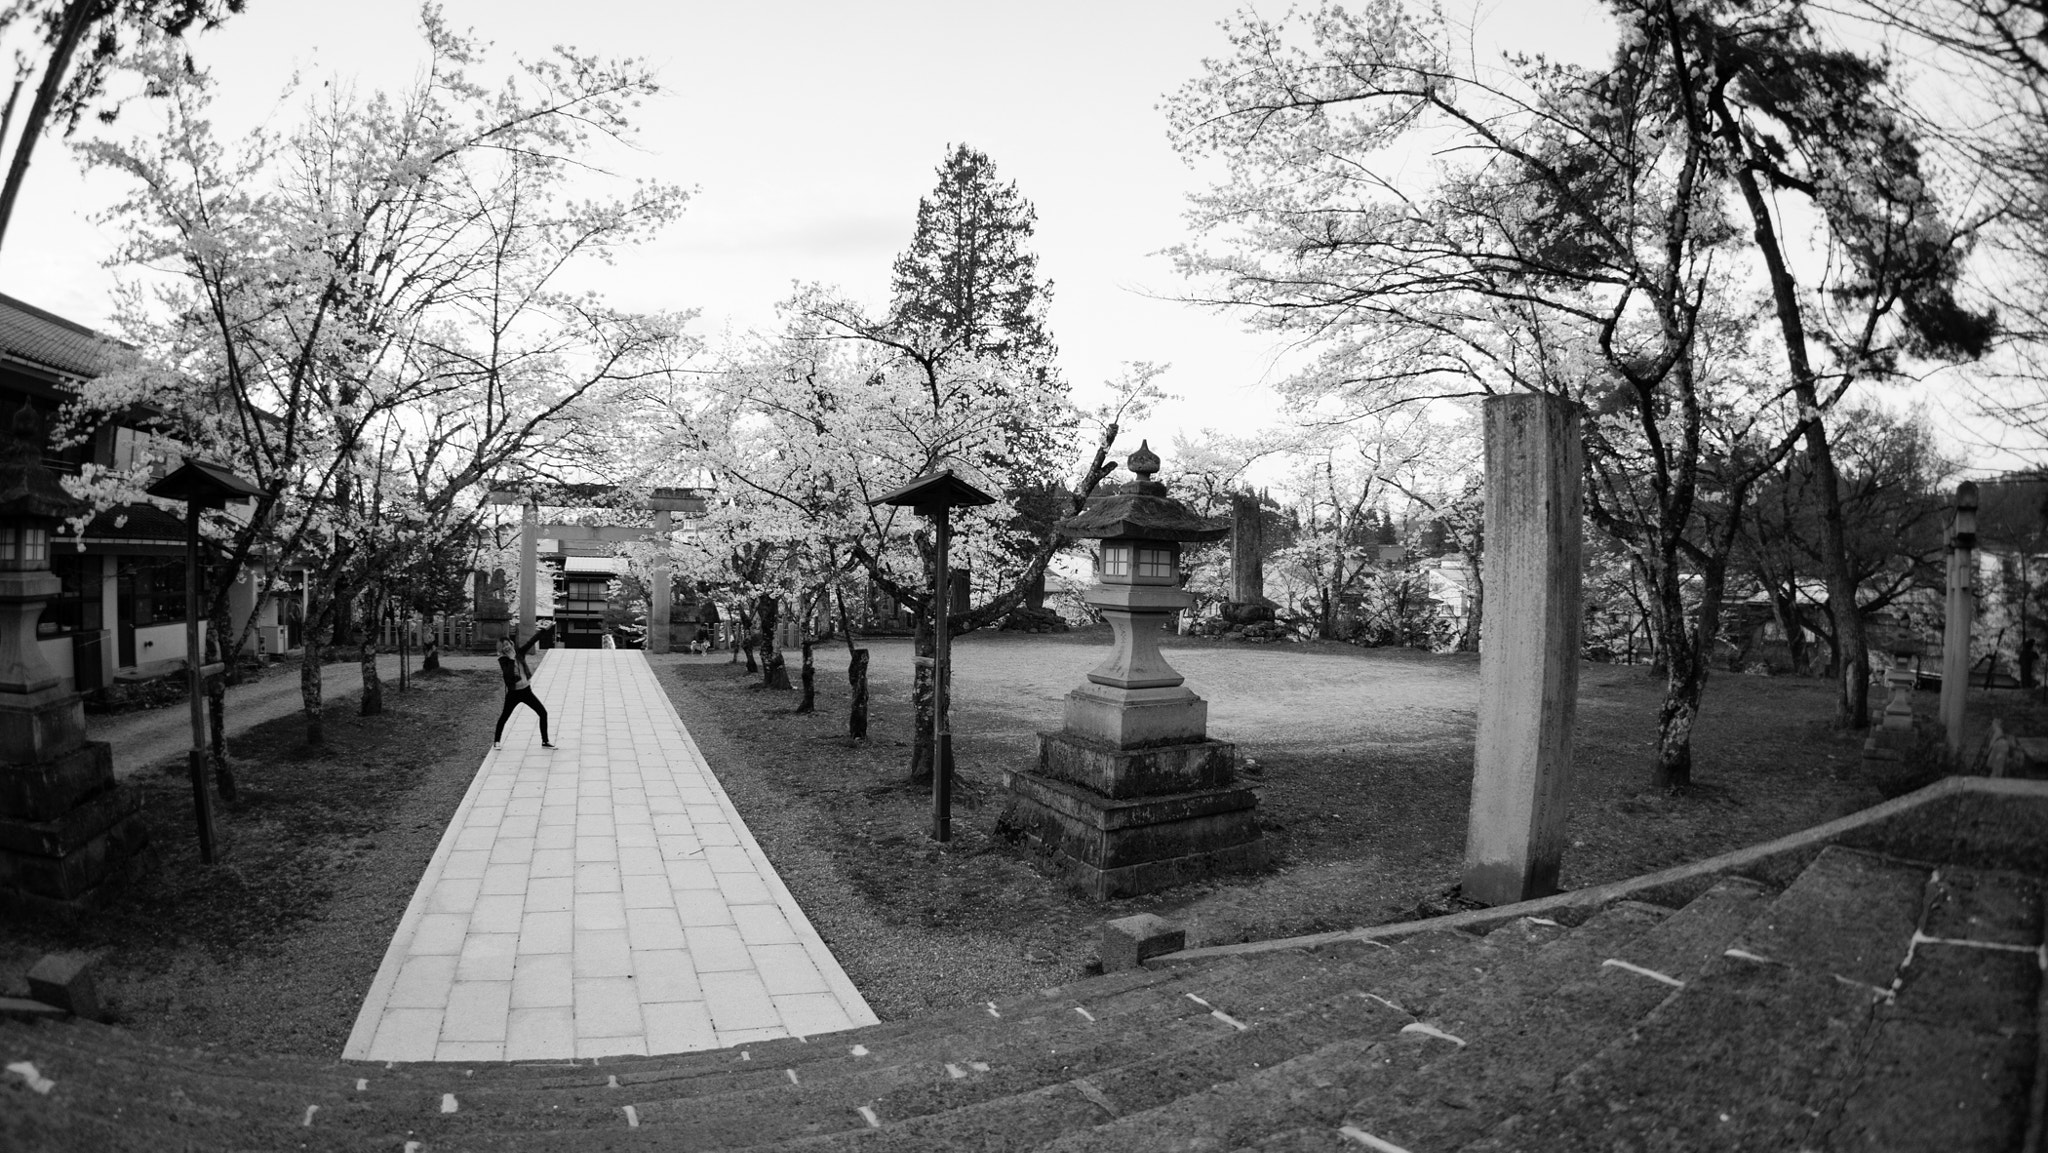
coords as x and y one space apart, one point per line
1872 1003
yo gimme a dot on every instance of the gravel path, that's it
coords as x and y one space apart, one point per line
149 737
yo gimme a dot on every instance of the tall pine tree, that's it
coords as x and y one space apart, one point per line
969 282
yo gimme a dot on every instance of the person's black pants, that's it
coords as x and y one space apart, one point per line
513 699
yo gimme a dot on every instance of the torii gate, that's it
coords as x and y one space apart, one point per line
662 502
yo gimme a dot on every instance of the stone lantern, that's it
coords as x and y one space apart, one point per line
66 829
1131 795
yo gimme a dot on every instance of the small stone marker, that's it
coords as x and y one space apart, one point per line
65 980
1127 941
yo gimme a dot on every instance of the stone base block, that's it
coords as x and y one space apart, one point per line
70 859
41 792
1136 718
1127 941
1118 848
65 980
1120 773
42 726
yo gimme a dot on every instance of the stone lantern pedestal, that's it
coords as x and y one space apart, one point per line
1131 795
68 832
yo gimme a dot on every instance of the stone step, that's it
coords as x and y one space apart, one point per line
1011 1054
91 1105
1751 1053
1318 1084
1950 1065
1076 1106
1522 1036
1034 1095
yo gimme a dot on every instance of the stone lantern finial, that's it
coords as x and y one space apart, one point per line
1144 463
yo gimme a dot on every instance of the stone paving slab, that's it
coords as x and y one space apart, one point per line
596 899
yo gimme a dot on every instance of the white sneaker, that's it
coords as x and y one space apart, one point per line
497 744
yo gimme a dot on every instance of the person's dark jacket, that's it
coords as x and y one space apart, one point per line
515 670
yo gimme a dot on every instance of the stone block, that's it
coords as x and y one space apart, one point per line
1128 941
1112 848
1121 773
39 792
75 861
65 980
1136 718
72 828
41 726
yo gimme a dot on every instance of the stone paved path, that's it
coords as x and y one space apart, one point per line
601 898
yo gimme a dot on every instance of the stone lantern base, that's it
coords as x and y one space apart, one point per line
1117 822
69 834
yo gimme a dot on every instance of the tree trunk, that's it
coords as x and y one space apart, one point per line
857 710
1685 682
309 690
767 614
1853 704
366 652
77 20
430 654
810 678
217 630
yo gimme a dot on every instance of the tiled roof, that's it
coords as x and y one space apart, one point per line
135 522
49 340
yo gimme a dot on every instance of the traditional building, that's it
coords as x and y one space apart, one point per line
122 609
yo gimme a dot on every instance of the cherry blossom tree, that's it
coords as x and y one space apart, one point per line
1586 232
367 312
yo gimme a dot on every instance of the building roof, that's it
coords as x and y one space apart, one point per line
50 342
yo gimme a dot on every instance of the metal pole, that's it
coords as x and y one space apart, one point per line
1955 632
942 732
202 802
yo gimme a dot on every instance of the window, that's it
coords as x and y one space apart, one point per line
1156 562
77 607
1116 560
155 590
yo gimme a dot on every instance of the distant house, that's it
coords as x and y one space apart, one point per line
122 608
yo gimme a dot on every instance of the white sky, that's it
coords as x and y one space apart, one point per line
810 129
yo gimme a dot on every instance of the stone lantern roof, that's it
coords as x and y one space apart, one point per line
27 487
1141 510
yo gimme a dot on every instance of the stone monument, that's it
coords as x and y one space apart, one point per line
1131 795
68 832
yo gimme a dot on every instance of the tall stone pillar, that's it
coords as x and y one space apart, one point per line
1247 545
1960 614
1529 649
658 609
529 565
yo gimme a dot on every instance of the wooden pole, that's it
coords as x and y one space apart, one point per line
942 730
202 801
1955 631
529 561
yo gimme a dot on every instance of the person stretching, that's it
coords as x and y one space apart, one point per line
519 687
